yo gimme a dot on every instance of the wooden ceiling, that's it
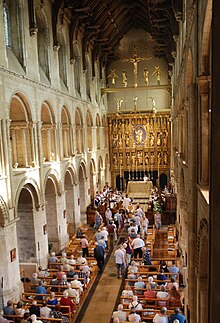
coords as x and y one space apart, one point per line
105 22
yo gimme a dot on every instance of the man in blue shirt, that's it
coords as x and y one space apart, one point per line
40 290
177 316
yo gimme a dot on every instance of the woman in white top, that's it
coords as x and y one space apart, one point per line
161 317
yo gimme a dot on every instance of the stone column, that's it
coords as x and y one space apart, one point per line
24 142
14 146
213 297
203 85
49 143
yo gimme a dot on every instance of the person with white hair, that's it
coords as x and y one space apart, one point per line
34 319
122 316
135 304
104 233
127 292
75 283
133 267
151 282
81 260
72 261
53 258
73 292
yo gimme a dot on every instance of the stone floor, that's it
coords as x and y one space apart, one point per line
103 300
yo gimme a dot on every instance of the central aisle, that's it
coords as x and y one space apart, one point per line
103 300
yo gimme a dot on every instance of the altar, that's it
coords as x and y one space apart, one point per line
139 189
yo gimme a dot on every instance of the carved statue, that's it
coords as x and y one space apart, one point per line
113 76
152 158
165 158
159 159
157 72
152 140
128 161
146 159
146 76
124 78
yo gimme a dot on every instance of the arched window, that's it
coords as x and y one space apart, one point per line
88 77
43 46
62 55
14 28
76 67
6 25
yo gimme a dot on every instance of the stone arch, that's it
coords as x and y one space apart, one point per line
31 185
55 178
71 169
48 133
21 132
206 41
43 44
4 213
26 229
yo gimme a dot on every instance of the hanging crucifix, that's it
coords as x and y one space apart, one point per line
135 60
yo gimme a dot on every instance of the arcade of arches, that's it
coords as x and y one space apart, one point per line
93 94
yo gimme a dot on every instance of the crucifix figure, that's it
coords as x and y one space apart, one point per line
135 60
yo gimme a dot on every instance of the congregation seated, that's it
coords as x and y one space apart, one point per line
53 258
162 295
131 276
75 283
177 317
34 279
42 273
133 316
151 282
34 308
52 300
127 292
34 319
172 283
8 310
73 293
66 301
163 266
162 277
139 284
45 311
146 257
120 314
58 314
149 293
81 260
135 304
19 310
40 289
174 296
133 267
59 274
173 269
72 261
54 281
161 317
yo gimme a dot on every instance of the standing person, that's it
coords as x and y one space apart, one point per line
137 245
157 221
108 215
111 230
85 244
144 226
146 257
104 233
98 220
99 256
120 261
126 202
